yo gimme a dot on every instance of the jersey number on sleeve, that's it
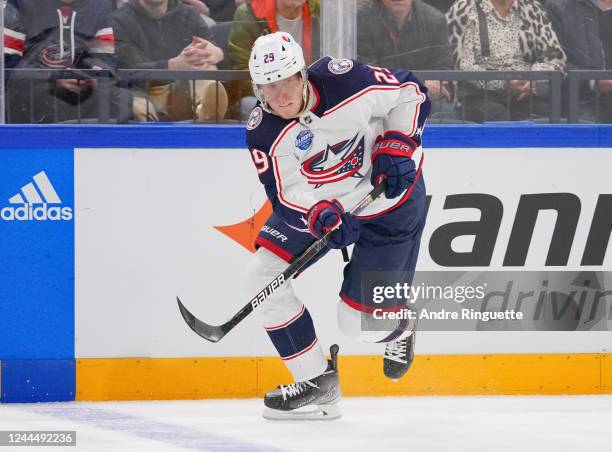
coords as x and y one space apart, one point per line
384 75
261 161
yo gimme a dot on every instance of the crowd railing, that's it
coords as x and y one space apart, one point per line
563 105
575 97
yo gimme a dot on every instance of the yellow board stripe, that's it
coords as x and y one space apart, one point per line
243 377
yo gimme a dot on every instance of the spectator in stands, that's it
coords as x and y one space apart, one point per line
440 5
222 10
14 36
503 35
584 28
119 3
299 18
166 34
54 34
200 7
406 34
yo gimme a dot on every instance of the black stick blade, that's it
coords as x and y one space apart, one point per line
209 332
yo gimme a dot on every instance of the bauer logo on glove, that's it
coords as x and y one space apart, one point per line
392 160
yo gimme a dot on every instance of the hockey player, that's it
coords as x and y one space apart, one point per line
320 138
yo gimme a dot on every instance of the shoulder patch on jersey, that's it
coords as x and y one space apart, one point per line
255 118
304 140
339 65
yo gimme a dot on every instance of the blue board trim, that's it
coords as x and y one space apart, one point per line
26 380
160 136
37 255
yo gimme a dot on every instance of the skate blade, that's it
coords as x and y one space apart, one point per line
307 413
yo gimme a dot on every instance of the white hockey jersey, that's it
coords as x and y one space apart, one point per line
326 152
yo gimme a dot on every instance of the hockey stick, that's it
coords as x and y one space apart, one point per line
216 333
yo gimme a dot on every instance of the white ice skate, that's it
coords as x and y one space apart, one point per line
315 399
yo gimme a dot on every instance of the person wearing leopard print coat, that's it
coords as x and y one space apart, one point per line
520 37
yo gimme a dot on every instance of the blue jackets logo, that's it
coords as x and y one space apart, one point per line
36 201
255 118
335 162
339 65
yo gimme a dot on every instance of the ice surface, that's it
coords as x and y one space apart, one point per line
449 424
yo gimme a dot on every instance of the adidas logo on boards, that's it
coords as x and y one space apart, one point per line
37 199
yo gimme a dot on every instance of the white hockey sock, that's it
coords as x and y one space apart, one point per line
286 319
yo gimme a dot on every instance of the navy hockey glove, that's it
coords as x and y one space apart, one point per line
325 215
391 160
